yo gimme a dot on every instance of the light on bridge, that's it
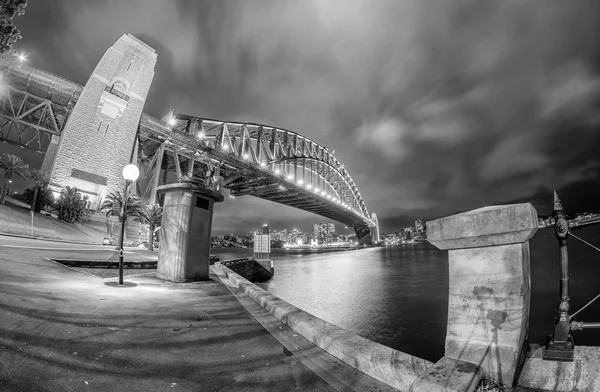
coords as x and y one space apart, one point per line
246 156
277 171
316 190
21 57
290 177
263 164
224 147
300 182
308 186
323 193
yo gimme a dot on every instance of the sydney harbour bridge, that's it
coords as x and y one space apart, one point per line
37 112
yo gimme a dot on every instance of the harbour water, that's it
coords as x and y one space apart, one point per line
398 296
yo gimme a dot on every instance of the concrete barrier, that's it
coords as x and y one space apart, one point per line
489 288
393 367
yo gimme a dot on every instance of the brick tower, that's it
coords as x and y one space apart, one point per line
99 136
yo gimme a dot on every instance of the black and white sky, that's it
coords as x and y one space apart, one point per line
434 106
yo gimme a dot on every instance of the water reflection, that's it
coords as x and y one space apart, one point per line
398 296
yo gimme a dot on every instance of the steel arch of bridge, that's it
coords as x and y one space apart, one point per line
294 159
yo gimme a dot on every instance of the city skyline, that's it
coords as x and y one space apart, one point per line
460 133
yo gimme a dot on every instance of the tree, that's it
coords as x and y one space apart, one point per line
151 216
8 31
45 197
113 202
72 206
12 166
40 181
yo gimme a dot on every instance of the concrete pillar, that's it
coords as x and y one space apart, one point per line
488 303
48 162
184 237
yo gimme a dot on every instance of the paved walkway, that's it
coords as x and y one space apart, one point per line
66 331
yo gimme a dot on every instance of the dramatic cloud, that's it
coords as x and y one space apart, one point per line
433 106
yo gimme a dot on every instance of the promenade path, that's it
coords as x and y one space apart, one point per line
62 330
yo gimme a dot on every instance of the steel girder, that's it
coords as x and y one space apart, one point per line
28 120
244 175
285 153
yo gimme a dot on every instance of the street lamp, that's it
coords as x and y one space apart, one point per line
130 174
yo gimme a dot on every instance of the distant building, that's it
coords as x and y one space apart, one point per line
324 232
419 225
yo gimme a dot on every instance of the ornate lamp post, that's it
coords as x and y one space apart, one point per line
560 344
130 174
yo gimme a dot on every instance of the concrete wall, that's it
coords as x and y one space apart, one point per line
395 368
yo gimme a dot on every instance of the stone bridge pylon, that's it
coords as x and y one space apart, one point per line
99 137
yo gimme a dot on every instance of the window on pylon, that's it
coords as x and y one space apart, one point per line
118 86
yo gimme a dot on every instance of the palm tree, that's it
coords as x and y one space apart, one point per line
40 180
71 205
151 216
12 165
113 202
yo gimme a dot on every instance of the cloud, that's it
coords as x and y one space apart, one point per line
512 156
571 90
388 136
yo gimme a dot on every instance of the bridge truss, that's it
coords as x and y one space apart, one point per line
266 162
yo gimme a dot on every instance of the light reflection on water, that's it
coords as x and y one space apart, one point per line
398 296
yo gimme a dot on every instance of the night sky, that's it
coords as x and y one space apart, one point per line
434 107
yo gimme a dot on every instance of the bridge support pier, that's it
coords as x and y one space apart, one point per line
184 237
488 302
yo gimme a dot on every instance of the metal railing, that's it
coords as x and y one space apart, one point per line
560 346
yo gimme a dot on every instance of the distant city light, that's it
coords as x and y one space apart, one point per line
172 121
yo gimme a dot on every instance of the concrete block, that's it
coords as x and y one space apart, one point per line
184 254
488 226
579 375
489 285
449 375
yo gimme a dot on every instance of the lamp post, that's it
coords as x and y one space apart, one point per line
130 174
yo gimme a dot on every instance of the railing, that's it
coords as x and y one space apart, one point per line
560 346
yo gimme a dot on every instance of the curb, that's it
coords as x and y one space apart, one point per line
106 264
47 239
392 367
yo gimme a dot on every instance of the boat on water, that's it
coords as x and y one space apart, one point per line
254 270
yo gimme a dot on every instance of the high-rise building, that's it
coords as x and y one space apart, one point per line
324 232
419 225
